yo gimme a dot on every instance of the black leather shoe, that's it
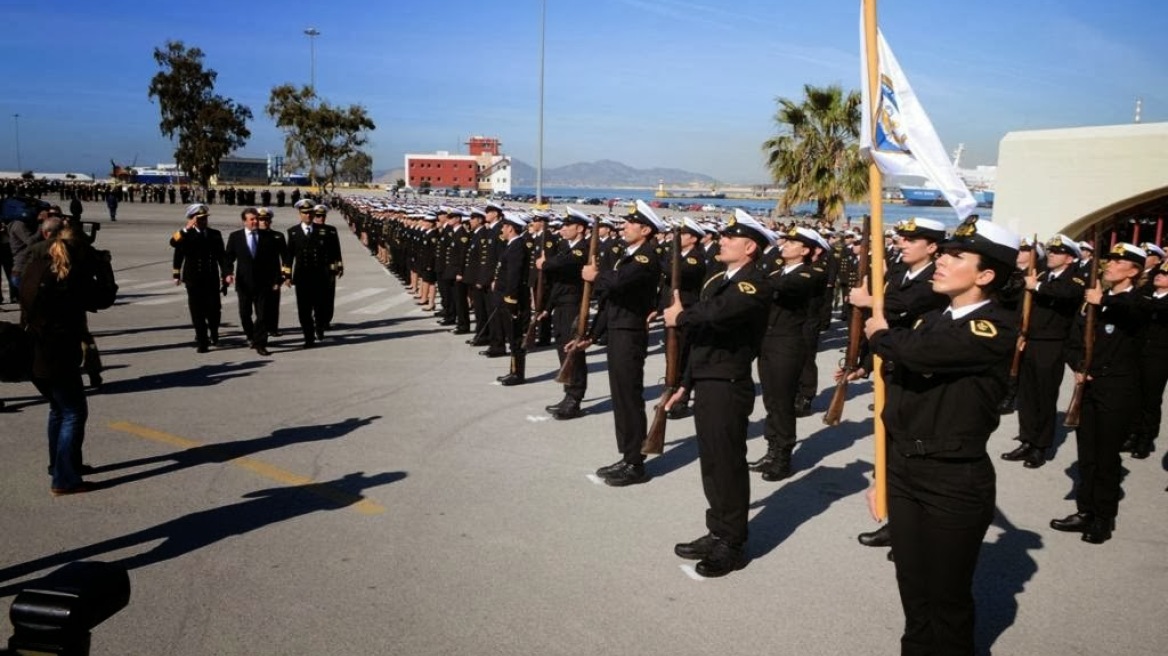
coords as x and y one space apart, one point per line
679 411
777 469
215 339
445 322
1076 523
512 379
461 331
696 550
607 470
803 406
477 342
310 343
262 351
1142 448
1128 444
1099 531
763 462
1019 453
551 409
628 474
723 559
1035 458
881 537
493 354
201 348
568 411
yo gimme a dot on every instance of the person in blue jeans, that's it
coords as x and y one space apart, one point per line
54 289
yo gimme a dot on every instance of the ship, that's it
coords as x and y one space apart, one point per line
980 181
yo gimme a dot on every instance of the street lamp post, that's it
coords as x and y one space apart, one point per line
539 152
16 120
312 33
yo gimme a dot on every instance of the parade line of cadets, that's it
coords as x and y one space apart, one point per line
509 280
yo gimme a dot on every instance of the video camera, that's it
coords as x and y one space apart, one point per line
54 615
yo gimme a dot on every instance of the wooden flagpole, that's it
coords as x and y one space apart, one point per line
876 251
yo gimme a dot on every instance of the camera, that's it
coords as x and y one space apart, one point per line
53 616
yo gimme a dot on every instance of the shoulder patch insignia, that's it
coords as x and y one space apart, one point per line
983 328
643 259
1079 281
691 260
578 253
918 323
547 244
805 274
746 288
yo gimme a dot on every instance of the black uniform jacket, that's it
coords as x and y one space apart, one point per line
1156 337
1055 304
693 276
1121 323
628 291
949 377
725 327
198 256
904 301
511 275
788 294
561 269
311 256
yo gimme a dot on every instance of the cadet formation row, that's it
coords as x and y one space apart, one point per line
951 324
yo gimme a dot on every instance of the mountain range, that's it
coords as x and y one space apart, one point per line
600 174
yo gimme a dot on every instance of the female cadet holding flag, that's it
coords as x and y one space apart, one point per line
951 371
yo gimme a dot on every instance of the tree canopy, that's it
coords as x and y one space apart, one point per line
357 168
208 126
318 133
816 153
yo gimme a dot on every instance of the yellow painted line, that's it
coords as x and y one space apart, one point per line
271 472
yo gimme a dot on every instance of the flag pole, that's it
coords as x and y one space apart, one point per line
876 250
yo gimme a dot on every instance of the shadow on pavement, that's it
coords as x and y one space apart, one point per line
812 449
1004 568
192 532
203 376
219 453
800 500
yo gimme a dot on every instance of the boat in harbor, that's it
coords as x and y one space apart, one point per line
980 181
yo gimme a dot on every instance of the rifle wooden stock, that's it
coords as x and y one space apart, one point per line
855 331
654 443
533 325
1071 419
569 366
1027 305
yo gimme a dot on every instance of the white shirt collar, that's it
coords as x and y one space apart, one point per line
730 272
788 268
962 312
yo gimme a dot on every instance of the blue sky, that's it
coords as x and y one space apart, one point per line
688 84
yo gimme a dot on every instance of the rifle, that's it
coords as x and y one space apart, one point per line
655 439
855 331
1071 420
1027 304
569 366
533 323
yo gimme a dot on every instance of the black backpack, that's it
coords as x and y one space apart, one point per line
16 349
104 287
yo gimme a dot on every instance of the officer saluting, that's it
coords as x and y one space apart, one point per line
724 330
198 264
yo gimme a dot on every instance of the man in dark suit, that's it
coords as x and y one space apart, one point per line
198 264
253 262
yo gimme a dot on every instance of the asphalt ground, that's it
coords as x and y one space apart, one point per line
382 494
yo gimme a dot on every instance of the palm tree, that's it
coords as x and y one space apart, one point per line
816 155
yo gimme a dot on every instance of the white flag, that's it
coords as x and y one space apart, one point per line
905 142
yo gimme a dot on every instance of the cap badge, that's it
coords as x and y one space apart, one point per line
967 228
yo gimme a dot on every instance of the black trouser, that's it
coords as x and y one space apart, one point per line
496 334
206 309
461 306
1039 376
252 303
6 271
780 363
721 415
939 511
446 293
478 302
626 380
1153 378
272 311
809 378
310 295
564 327
324 313
1105 416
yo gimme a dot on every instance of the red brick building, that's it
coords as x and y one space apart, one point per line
483 169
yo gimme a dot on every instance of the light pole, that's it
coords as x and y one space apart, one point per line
16 120
539 152
312 33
